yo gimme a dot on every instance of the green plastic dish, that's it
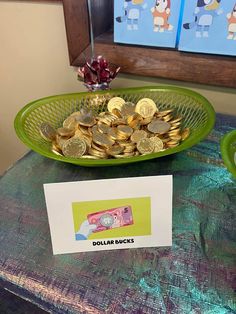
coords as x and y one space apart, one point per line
228 151
198 114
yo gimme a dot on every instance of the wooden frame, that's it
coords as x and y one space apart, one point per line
156 62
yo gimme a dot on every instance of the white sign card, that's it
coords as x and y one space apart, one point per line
110 214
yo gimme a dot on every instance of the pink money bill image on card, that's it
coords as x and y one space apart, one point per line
111 218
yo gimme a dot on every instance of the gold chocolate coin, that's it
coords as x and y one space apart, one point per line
128 109
103 128
176 120
74 148
115 150
185 134
164 113
56 149
102 139
60 140
158 144
47 132
145 146
116 112
146 107
158 126
115 103
112 133
176 137
97 153
70 123
89 157
124 130
146 121
86 120
138 135
65 132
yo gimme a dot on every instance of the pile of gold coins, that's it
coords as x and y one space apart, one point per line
124 130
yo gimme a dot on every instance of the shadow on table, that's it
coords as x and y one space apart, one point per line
12 304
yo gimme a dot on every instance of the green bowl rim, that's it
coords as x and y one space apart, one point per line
224 147
22 114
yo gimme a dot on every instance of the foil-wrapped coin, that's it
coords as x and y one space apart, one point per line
158 126
47 132
60 140
116 112
158 144
78 134
127 109
133 117
86 120
145 146
115 103
115 150
102 139
138 135
177 120
146 121
174 132
106 119
172 145
185 134
174 126
98 147
84 130
56 149
164 112
70 123
94 128
176 137
172 142
167 118
97 153
103 128
65 132
87 139
119 121
146 107
122 156
124 130
129 149
128 146
74 148
89 157
112 134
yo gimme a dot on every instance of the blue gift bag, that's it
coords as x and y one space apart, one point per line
147 22
209 26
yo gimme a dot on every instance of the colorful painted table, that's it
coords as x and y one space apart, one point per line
195 275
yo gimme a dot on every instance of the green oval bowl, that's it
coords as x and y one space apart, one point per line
228 149
196 112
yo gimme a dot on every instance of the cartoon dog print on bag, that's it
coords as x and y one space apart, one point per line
204 14
232 24
161 13
132 12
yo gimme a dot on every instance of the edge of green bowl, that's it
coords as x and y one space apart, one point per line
22 114
226 152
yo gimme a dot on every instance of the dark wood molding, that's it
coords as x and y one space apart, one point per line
37 0
156 62
77 27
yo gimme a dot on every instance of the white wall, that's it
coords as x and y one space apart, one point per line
34 63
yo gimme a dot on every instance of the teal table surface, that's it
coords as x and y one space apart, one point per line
196 275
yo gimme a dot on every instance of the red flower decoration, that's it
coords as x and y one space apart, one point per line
97 71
